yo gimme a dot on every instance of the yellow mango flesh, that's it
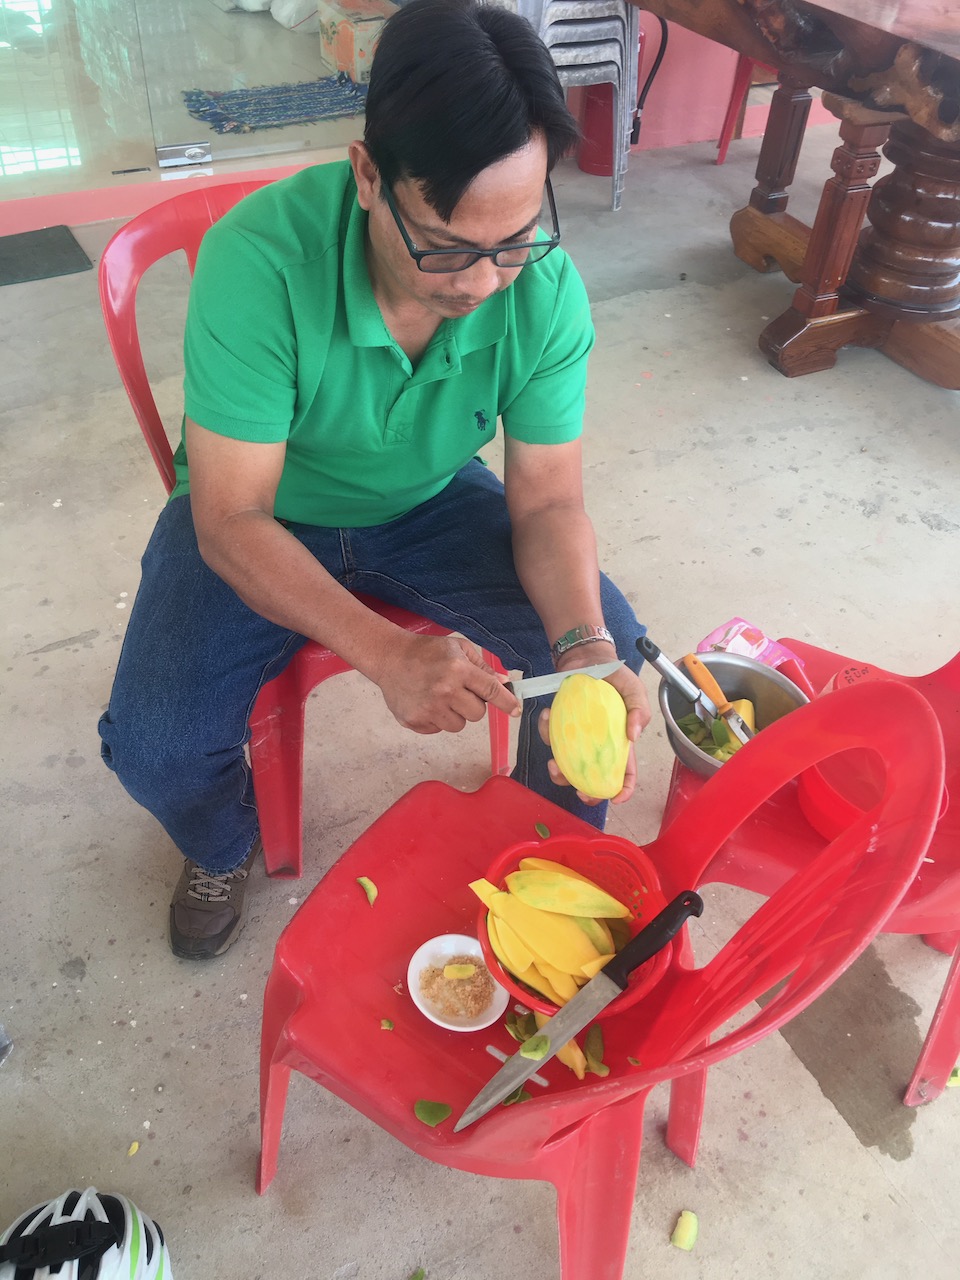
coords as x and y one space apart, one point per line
535 979
744 707
507 947
570 1054
558 939
545 864
598 932
484 890
563 983
588 735
551 891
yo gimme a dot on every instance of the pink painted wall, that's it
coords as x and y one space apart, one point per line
690 93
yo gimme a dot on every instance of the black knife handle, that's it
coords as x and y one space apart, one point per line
655 935
648 649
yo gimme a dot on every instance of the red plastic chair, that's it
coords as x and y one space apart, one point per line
340 967
276 724
742 80
790 830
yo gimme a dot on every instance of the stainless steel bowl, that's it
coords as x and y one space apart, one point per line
771 693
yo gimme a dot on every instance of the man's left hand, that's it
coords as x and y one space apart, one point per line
633 691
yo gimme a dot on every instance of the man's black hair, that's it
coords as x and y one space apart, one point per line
455 86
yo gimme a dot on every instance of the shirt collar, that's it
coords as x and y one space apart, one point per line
481 328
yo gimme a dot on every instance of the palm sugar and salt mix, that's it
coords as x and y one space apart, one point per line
460 988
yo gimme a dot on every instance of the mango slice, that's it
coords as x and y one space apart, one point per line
545 864
593 968
513 953
551 891
535 979
555 938
569 1054
562 983
483 889
458 971
598 932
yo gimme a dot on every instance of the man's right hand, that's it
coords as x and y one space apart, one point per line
435 684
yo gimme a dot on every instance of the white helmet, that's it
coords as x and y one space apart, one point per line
83 1235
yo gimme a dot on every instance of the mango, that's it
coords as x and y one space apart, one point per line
545 864
533 978
507 947
551 891
563 983
570 1054
593 968
483 889
588 735
598 931
747 712
558 939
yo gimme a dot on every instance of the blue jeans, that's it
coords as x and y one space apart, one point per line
195 656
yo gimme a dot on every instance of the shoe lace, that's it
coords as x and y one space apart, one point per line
213 888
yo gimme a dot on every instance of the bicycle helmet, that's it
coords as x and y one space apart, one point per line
84 1235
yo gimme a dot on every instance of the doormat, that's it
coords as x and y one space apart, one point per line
274 106
38 255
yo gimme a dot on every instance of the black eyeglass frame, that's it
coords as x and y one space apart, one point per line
475 255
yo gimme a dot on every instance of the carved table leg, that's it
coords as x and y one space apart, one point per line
764 235
907 266
806 338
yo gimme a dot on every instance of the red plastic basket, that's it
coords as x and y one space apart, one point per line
617 866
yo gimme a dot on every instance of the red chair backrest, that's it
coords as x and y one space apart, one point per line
176 224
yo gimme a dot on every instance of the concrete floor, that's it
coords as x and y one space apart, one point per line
824 507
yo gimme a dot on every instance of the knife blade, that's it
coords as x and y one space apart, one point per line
538 686
590 1000
702 705
706 681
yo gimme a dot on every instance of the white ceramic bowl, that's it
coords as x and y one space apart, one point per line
439 951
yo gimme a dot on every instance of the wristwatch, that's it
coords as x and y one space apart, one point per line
585 634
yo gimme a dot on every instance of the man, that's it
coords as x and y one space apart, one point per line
354 333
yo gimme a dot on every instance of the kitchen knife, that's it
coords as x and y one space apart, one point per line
702 705
539 686
706 681
585 1005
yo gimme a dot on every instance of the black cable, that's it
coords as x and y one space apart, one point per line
635 133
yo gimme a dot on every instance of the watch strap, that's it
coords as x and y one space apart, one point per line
587 633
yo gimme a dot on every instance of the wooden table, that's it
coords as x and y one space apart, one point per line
891 73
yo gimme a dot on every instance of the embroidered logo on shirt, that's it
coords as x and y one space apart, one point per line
482 420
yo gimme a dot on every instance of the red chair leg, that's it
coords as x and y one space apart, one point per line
941 1049
276 755
741 85
596 1191
685 1118
281 999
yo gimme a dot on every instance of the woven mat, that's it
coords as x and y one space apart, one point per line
37 255
274 106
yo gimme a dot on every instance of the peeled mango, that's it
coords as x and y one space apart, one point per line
552 927
588 735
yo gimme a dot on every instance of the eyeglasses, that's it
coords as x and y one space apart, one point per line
438 261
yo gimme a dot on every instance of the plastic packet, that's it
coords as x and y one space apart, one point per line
744 638
6 1045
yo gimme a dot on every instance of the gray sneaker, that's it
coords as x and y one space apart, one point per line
206 914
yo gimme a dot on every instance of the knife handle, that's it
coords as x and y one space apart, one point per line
653 937
705 680
672 674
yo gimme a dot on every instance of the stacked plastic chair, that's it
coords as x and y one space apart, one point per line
595 42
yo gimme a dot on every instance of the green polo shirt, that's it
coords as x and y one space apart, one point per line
285 342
